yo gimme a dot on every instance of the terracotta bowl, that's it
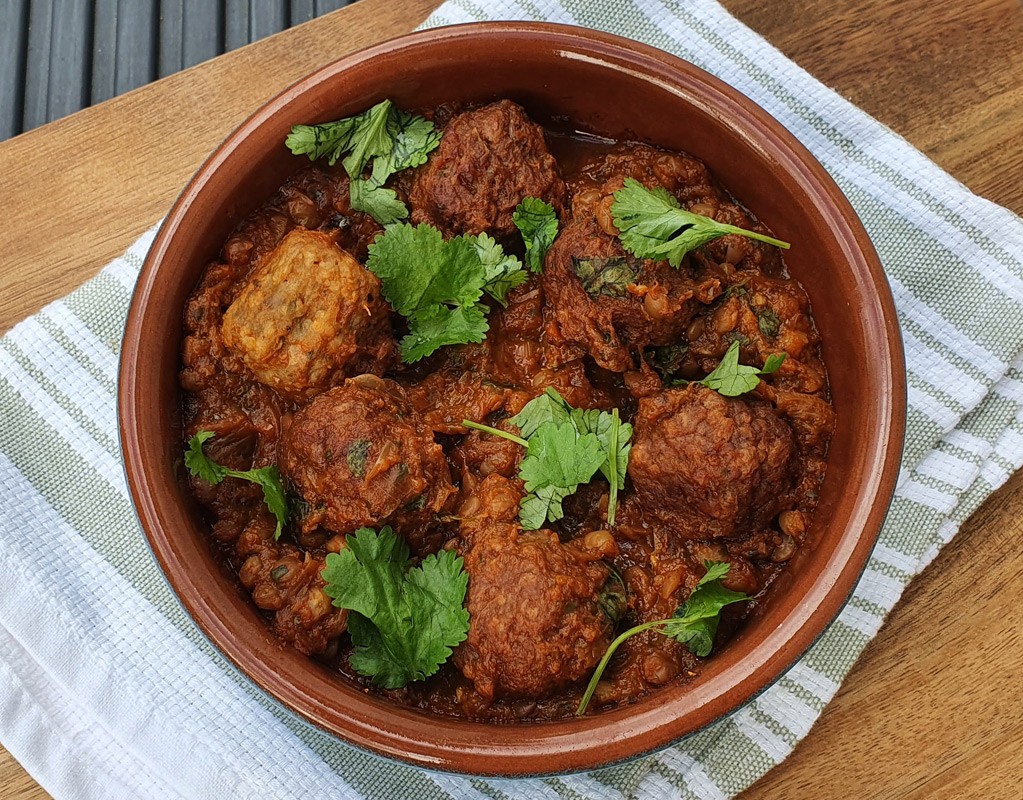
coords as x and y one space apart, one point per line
604 85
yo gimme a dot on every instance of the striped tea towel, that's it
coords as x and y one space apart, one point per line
108 691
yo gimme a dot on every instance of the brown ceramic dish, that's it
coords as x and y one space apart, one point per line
604 85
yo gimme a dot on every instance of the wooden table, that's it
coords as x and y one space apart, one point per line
934 708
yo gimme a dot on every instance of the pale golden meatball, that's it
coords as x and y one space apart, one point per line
308 314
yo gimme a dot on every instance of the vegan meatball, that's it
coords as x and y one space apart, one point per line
488 160
604 303
308 313
539 618
716 465
360 455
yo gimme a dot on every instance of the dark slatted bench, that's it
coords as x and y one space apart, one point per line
58 56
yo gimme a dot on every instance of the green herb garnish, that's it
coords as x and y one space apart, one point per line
388 137
652 224
404 621
768 322
538 225
269 478
605 277
565 448
732 379
438 285
694 623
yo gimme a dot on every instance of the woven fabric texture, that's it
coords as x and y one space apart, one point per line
116 694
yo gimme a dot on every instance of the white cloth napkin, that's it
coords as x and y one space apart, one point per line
107 690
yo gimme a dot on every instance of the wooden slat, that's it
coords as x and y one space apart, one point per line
325 6
300 11
13 50
37 69
250 20
57 76
124 46
191 31
267 17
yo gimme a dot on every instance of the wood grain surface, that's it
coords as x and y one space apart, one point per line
933 709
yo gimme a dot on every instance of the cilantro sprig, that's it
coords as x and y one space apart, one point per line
652 224
388 137
731 379
694 623
565 447
438 285
538 225
269 478
404 620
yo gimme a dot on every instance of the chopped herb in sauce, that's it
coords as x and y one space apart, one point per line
607 277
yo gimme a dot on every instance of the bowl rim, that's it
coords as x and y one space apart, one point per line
828 593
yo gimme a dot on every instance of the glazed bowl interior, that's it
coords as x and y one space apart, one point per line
566 78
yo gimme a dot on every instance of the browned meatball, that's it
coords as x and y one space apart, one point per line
605 303
766 316
307 312
287 582
691 182
537 622
716 465
487 161
360 455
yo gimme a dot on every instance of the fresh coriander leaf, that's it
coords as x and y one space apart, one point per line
604 426
418 269
716 570
617 461
371 139
542 505
651 224
557 460
558 455
381 204
433 327
269 477
199 464
403 622
502 272
772 363
694 623
387 137
413 139
437 285
548 407
538 225
605 277
731 379
536 421
330 139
